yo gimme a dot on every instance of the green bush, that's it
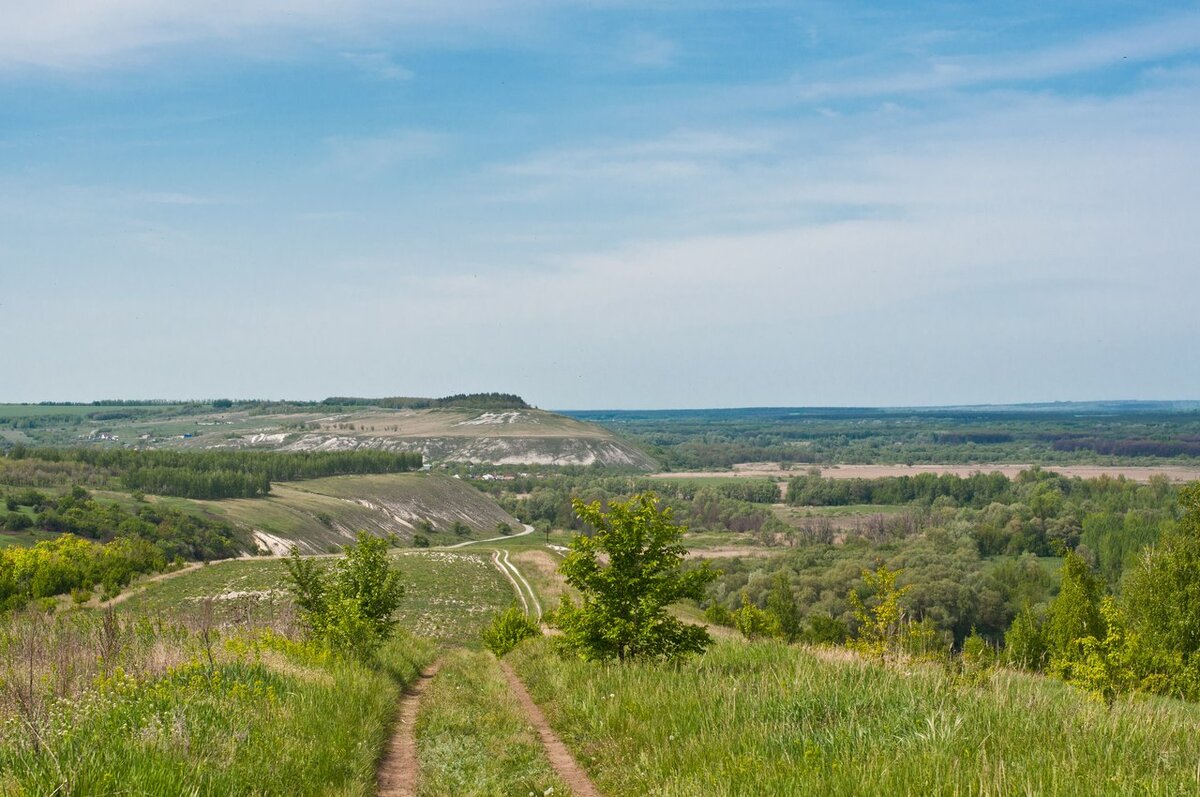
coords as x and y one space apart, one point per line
508 629
349 606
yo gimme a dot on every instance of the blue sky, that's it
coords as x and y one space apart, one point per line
600 204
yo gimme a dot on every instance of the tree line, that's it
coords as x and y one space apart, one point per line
220 474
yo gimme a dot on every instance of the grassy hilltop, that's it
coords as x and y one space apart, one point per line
456 429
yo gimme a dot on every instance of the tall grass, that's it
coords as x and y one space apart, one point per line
472 737
93 705
768 719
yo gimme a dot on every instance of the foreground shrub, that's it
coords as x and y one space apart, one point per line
507 630
349 606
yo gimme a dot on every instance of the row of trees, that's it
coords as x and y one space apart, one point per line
475 401
216 474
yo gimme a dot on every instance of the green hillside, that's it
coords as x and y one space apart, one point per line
320 515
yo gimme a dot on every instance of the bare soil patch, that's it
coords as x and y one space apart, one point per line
399 771
560 757
730 551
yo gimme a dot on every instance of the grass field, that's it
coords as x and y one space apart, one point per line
767 719
78 411
449 596
157 715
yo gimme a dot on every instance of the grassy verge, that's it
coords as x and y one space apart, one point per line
163 711
772 720
472 737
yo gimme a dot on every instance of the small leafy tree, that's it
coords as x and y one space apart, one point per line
1025 642
627 573
879 625
781 603
754 622
349 606
507 630
1075 612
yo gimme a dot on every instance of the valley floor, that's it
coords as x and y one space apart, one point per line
759 718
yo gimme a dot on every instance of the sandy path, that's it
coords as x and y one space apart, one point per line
141 585
528 530
400 770
1137 473
560 757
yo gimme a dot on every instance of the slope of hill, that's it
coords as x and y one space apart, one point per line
320 515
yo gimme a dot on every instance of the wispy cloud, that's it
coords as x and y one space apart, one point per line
379 66
1173 35
74 34
676 155
366 155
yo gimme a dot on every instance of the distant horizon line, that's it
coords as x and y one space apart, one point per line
1182 404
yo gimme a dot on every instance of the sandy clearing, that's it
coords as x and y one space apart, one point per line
400 771
560 757
729 552
1138 473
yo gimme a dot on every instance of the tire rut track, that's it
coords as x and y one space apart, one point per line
399 772
560 757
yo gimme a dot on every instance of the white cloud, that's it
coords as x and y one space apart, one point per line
74 34
1178 33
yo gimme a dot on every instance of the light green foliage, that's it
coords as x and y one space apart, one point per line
1161 601
781 603
507 630
350 606
879 625
977 659
1163 592
1075 613
1025 642
1103 666
754 622
627 573
473 739
68 563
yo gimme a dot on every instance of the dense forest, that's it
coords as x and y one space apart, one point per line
192 474
1087 433
473 401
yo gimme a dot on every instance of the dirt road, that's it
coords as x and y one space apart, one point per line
400 771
